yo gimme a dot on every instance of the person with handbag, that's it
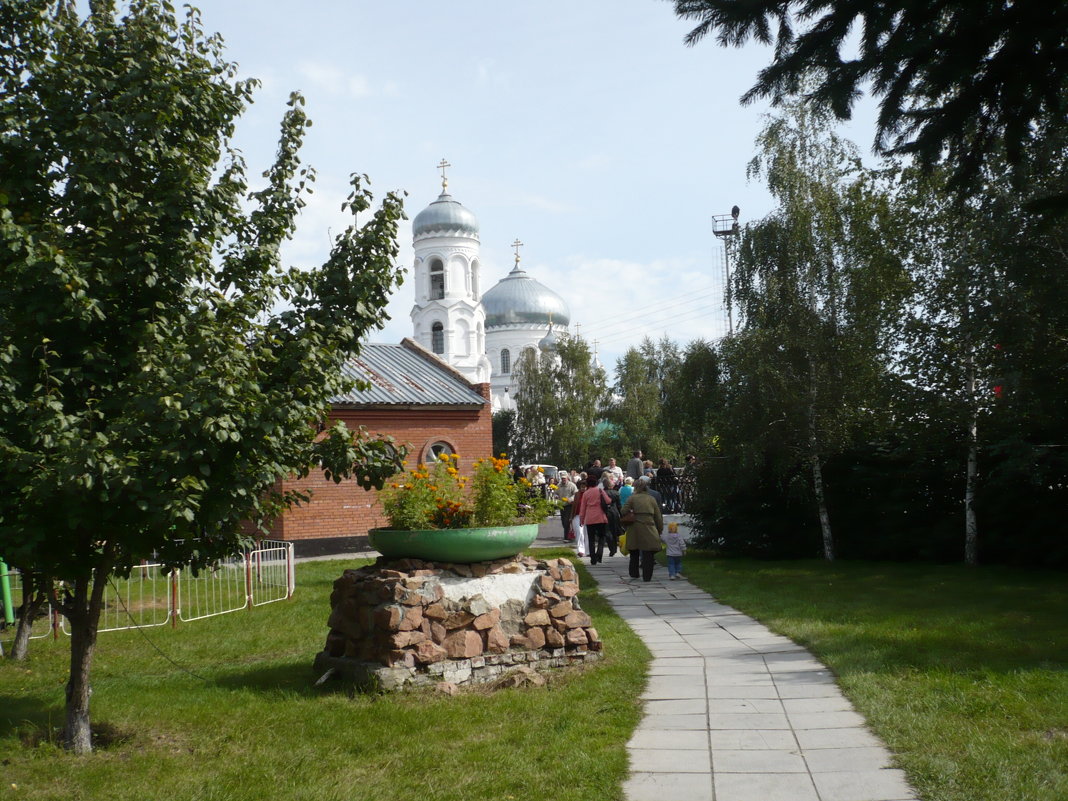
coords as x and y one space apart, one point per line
612 512
593 516
644 523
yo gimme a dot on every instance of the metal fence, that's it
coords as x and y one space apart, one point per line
151 597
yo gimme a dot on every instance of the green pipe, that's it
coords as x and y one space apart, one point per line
5 594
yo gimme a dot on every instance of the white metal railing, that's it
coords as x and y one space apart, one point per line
41 626
151 597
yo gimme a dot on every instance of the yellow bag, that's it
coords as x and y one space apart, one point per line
623 544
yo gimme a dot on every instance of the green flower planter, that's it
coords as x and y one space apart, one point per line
460 545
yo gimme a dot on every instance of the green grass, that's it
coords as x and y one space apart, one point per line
963 672
250 725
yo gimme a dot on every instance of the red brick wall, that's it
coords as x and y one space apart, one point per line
345 509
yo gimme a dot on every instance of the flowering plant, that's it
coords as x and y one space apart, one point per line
437 497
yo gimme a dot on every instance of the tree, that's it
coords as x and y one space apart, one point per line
503 430
644 376
160 372
693 400
816 285
558 399
959 80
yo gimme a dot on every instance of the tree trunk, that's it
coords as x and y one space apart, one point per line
817 471
971 526
33 598
83 612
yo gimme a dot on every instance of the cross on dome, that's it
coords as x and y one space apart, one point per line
517 244
444 179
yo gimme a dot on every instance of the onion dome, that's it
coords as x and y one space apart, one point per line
548 343
517 298
445 216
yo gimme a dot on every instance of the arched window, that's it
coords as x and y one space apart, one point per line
437 450
437 280
506 361
474 279
437 338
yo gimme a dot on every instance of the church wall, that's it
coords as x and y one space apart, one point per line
345 510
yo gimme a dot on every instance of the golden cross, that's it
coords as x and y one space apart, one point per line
444 180
517 244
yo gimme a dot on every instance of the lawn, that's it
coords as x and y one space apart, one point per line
225 709
963 672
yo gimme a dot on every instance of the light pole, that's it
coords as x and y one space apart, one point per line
725 226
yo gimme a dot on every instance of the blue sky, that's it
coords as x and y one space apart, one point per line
584 128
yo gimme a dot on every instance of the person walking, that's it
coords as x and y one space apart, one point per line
676 547
612 512
567 491
643 535
616 472
626 490
593 515
635 467
668 484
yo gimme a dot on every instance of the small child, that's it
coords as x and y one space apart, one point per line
676 547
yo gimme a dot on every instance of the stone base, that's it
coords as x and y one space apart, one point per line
409 622
372 676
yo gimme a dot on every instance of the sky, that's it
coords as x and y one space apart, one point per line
584 128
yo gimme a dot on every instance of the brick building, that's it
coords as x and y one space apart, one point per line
419 401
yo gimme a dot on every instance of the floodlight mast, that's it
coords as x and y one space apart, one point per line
726 227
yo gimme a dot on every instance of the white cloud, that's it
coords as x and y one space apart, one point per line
334 81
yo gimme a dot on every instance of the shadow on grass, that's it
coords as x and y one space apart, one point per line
296 677
27 718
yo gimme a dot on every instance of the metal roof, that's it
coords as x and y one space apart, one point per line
518 298
445 214
405 375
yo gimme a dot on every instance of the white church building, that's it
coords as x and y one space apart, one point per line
482 335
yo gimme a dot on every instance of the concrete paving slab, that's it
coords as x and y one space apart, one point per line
867 785
764 787
665 786
830 703
755 739
752 720
685 706
765 760
824 720
854 737
836 760
656 738
662 760
691 722
745 705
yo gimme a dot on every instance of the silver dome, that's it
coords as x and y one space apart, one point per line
445 215
549 342
518 298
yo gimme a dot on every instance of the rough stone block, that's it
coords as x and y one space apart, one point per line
478 605
546 583
539 617
497 641
463 644
554 640
458 620
568 573
388 617
438 633
487 620
427 653
562 609
436 611
567 589
592 635
413 619
576 637
576 619
519 641
536 636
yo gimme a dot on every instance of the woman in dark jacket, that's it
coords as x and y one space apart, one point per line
643 535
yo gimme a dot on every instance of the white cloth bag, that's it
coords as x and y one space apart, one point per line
579 531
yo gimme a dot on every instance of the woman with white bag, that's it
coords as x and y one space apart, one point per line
577 529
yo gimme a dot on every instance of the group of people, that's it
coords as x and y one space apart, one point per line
603 502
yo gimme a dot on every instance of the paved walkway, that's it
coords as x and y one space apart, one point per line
736 713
